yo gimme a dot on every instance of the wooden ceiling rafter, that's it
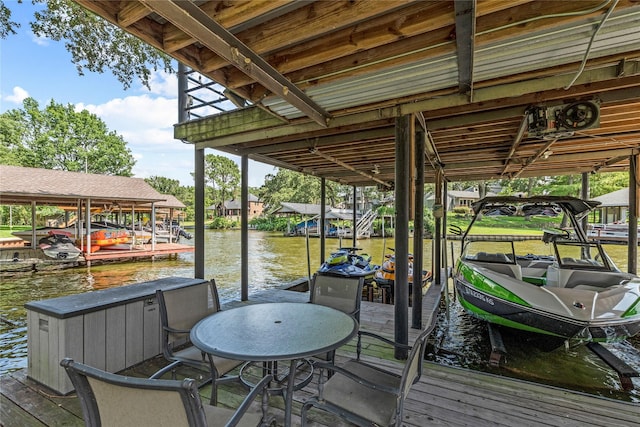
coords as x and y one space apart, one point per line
195 22
465 41
474 112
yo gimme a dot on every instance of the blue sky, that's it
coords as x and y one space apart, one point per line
42 69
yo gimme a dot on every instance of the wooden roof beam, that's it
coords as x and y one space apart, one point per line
351 168
193 21
465 36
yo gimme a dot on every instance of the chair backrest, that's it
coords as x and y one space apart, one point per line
413 368
341 293
114 400
182 308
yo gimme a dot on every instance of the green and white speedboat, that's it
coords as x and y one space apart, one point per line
570 289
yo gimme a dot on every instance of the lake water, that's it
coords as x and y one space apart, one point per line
274 261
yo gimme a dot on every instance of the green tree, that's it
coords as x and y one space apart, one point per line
95 44
224 176
290 186
7 26
165 185
10 134
58 137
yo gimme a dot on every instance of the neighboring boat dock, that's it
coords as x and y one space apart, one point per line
25 258
443 396
84 194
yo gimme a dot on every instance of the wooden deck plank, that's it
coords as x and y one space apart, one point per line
445 396
35 403
12 415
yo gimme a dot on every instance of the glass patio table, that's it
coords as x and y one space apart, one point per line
272 332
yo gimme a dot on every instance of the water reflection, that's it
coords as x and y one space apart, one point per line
274 261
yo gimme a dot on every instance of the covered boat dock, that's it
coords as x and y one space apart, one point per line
82 193
397 94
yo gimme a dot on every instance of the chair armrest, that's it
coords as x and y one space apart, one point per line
261 387
176 331
360 380
378 337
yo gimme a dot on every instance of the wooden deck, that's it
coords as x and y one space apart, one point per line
445 396
139 251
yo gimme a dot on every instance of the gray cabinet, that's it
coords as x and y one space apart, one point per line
111 329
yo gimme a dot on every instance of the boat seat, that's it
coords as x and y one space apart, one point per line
593 280
485 257
512 270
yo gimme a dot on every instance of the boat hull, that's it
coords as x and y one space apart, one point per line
493 308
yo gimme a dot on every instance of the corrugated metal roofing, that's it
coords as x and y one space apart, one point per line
539 50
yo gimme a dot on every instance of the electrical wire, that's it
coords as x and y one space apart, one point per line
593 36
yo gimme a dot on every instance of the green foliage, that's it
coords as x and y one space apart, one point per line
222 223
566 185
603 183
269 223
15 215
461 210
295 187
165 185
429 221
58 137
97 45
223 174
7 26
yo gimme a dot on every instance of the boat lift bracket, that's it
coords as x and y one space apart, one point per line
625 372
498 351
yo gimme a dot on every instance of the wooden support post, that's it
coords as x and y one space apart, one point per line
354 226
418 228
634 212
323 218
244 229
198 208
401 291
439 212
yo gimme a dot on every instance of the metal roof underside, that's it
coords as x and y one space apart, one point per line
327 79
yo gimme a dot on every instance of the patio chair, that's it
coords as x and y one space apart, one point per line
341 293
109 399
364 394
178 314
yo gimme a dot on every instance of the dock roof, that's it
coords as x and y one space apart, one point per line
21 185
321 84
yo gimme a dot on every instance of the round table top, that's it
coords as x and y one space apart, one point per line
273 331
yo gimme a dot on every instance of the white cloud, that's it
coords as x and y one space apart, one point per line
146 124
39 40
164 84
18 95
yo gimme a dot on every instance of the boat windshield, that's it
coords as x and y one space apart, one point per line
490 251
577 255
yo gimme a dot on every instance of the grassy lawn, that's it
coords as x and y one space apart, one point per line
505 224
6 232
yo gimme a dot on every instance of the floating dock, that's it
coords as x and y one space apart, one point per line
21 259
